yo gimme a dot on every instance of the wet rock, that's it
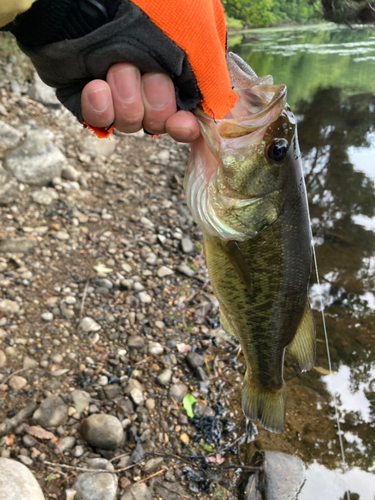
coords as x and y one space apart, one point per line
187 245
138 491
165 376
17 482
81 400
3 359
17 383
36 160
102 431
89 325
51 413
42 93
185 270
194 360
17 245
178 392
282 478
44 197
8 187
9 307
96 486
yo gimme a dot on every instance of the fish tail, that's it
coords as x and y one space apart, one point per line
264 405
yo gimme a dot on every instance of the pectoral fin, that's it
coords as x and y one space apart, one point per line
238 261
302 347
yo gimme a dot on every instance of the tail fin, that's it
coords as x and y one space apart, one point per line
266 406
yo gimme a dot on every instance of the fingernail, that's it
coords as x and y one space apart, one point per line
127 83
157 90
99 99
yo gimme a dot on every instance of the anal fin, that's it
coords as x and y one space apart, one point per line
225 324
303 346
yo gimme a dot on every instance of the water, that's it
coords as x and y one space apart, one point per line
330 74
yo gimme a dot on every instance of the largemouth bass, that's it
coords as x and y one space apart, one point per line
245 188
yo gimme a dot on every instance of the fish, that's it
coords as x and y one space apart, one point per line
245 188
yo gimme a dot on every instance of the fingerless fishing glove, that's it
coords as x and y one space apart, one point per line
71 42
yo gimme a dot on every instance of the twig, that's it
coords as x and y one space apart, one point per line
143 360
371 7
5 381
98 471
152 475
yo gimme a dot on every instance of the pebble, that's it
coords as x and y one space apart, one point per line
155 348
28 441
178 392
17 482
184 438
57 358
102 431
136 342
51 413
164 271
194 360
47 316
62 235
17 383
103 380
165 377
15 245
81 400
44 197
187 245
78 451
160 324
66 443
145 298
96 486
185 270
25 460
29 363
70 173
150 404
152 465
138 491
9 306
137 397
89 325
3 359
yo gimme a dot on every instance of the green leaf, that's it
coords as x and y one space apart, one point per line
208 448
187 403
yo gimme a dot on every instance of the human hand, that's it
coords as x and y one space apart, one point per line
131 101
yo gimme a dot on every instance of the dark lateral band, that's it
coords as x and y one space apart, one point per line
49 21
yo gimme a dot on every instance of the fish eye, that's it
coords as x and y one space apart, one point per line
278 149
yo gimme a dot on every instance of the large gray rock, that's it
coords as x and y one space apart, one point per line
281 479
17 482
138 491
51 413
96 486
8 187
36 160
103 431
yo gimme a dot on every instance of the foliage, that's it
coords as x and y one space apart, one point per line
233 24
188 403
257 13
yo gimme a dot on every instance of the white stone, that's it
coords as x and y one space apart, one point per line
89 325
17 482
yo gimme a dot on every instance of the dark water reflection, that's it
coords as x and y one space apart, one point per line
337 140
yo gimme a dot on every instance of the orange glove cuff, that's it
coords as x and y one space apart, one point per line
198 28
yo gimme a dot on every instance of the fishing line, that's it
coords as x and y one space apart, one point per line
322 310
